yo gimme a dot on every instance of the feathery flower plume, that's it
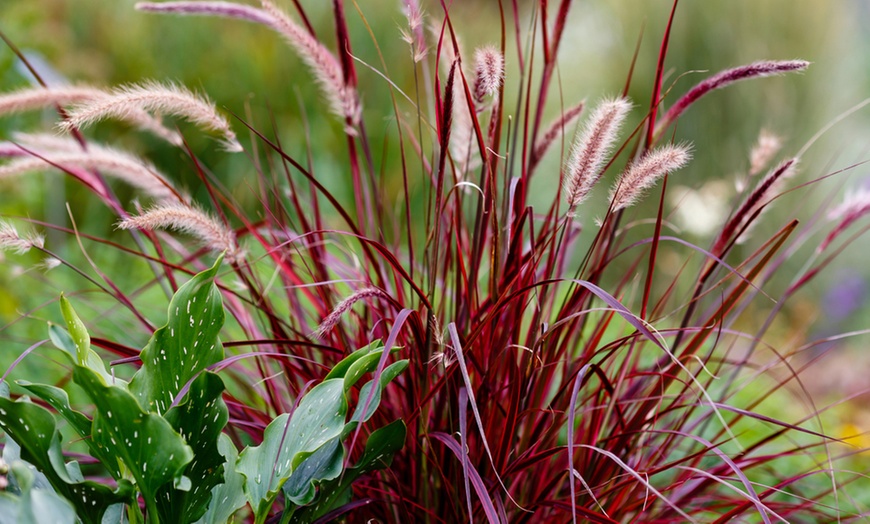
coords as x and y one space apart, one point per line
724 78
111 162
855 205
591 149
169 99
187 219
765 149
489 68
332 319
416 36
644 173
47 142
33 98
225 9
342 98
753 205
41 97
11 240
555 130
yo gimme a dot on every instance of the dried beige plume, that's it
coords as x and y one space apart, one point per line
41 97
170 99
332 319
33 98
592 148
51 152
644 173
12 241
343 99
187 219
489 69
855 206
765 149
415 36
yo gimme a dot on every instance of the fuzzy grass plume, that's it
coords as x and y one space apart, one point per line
11 240
644 173
591 149
34 98
342 97
187 219
66 154
168 99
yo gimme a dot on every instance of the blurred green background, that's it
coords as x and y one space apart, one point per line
249 71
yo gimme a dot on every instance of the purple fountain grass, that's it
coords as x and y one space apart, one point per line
331 320
550 379
724 78
342 97
855 206
556 129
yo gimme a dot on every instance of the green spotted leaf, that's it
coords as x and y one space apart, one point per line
185 346
324 464
229 496
381 446
287 440
152 451
34 430
59 400
199 419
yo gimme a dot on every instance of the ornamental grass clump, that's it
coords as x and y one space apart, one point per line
571 362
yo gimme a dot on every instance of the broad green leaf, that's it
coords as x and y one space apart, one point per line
59 400
33 428
115 514
146 443
381 446
319 418
185 346
390 372
33 506
199 419
324 464
228 497
340 369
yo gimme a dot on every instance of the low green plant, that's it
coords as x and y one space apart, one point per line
159 436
